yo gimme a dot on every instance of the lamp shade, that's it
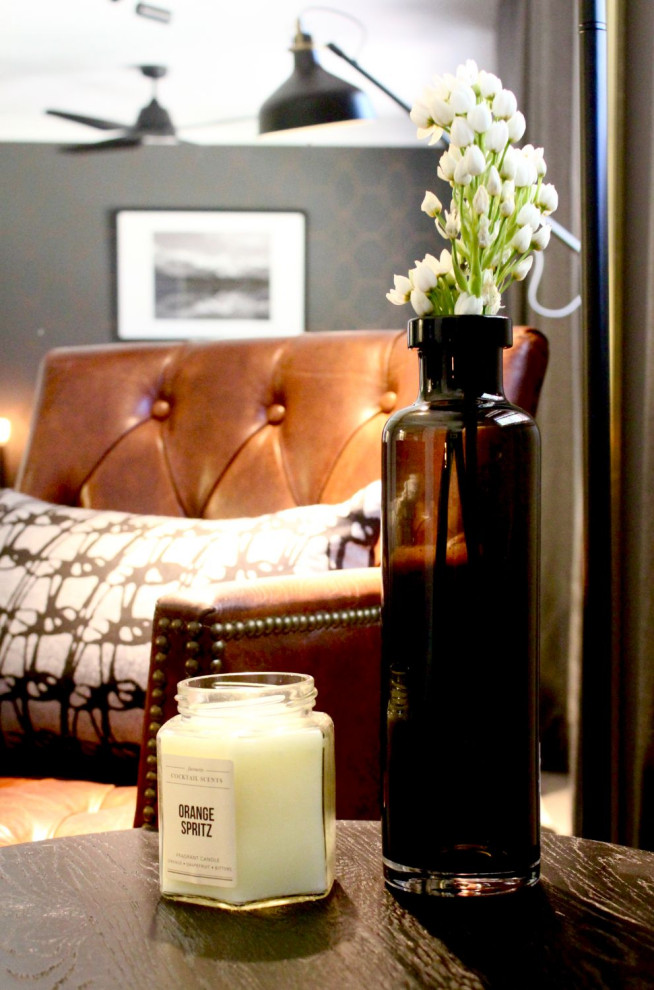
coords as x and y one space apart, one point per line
311 96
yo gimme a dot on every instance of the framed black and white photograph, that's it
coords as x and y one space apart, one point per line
209 274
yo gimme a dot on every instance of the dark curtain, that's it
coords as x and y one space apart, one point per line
632 157
537 59
538 54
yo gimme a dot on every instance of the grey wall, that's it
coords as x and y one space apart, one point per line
57 251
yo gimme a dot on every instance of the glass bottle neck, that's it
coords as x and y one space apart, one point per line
451 369
460 354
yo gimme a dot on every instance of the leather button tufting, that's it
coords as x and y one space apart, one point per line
388 401
276 413
161 409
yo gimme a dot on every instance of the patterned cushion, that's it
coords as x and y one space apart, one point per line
78 588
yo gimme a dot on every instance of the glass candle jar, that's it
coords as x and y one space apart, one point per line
246 792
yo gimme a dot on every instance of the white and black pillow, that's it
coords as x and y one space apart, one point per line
78 588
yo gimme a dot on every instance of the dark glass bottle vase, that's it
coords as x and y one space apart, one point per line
460 537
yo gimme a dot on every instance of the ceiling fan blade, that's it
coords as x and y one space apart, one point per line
103 125
112 144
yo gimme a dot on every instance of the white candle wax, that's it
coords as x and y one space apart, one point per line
242 809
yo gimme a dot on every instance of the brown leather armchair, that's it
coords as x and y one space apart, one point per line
328 627
222 430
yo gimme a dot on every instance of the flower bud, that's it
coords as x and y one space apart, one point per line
484 236
490 295
442 112
461 132
504 104
475 160
481 200
517 126
468 73
489 84
431 204
423 276
509 164
494 183
522 269
525 173
529 214
445 262
400 293
497 136
541 238
548 198
480 118
507 206
463 98
522 239
452 224
420 115
462 176
447 164
421 303
467 305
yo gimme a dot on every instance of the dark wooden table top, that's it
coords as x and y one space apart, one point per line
86 913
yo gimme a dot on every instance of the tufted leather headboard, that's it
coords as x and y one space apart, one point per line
226 428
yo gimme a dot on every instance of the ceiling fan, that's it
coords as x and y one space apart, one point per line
153 124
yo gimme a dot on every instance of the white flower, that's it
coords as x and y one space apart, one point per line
437 88
461 132
423 277
421 116
431 204
468 73
445 262
517 126
541 238
548 198
489 85
504 104
467 305
448 163
522 269
509 164
462 176
441 111
481 200
480 118
452 223
525 173
535 155
494 183
497 136
490 294
475 160
530 214
496 215
484 235
462 98
401 292
522 239
421 303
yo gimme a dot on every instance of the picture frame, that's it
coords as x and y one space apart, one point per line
209 274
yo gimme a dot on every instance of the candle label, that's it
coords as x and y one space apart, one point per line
199 821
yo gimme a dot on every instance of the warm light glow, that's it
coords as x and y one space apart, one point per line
5 430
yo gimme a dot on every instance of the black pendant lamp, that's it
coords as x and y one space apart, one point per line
311 96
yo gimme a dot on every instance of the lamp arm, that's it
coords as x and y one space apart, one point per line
355 65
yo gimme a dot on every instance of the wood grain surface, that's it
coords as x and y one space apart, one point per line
85 912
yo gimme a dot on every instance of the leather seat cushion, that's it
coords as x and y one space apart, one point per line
32 809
